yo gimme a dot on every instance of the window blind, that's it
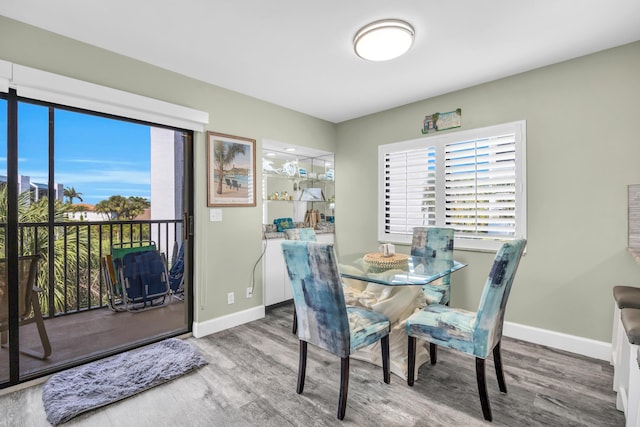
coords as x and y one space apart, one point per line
473 181
480 187
410 190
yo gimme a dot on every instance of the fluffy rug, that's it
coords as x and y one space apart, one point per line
72 392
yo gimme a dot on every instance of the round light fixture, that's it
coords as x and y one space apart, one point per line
383 40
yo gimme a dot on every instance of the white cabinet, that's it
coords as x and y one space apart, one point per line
275 278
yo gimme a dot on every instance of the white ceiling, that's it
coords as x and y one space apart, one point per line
298 54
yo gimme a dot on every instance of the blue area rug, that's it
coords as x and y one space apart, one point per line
72 392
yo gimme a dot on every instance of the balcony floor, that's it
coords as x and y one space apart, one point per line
81 336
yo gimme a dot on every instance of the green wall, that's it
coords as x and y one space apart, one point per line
583 149
226 251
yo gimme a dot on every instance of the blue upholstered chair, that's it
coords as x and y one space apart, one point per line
306 235
435 244
475 333
324 320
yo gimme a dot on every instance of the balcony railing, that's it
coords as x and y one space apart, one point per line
70 274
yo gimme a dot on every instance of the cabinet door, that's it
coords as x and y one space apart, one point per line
274 273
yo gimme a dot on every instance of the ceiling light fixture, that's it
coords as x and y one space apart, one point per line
383 40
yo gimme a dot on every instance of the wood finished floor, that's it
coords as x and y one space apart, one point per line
251 380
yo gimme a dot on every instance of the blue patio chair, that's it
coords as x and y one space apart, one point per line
476 333
176 273
324 320
306 235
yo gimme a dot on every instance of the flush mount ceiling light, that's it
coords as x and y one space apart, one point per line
383 40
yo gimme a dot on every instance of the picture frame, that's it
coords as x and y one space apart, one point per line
231 170
312 195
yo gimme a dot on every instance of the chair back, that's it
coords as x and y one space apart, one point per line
27 271
317 294
432 242
490 315
436 245
304 234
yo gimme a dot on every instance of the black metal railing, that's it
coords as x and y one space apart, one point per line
70 274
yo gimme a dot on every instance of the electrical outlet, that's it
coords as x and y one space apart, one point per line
249 292
230 298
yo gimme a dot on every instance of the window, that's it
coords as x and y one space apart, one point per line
472 181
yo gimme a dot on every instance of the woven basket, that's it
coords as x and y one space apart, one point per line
377 262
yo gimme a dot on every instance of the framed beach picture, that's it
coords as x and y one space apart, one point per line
231 170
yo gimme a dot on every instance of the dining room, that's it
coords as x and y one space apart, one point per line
581 155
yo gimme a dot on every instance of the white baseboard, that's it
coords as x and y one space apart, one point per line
229 321
571 343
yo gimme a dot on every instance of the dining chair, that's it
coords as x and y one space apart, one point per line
324 320
307 235
476 333
28 303
435 244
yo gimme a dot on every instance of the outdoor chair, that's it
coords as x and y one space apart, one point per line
28 303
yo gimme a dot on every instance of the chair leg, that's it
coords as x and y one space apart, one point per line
411 361
384 343
433 353
482 389
344 387
497 360
44 338
294 330
302 366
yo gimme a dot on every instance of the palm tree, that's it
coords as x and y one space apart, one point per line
118 207
70 249
223 154
71 193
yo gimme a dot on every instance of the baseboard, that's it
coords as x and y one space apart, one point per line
571 343
229 321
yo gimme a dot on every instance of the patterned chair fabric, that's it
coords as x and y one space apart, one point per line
304 234
324 320
435 244
475 333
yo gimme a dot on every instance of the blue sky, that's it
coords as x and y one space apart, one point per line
99 157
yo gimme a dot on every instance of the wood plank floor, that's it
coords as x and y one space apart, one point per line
251 380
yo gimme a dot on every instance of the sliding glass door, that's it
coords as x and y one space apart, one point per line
80 185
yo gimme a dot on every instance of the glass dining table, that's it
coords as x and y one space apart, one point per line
392 285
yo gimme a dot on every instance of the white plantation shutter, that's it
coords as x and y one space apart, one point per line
480 187
409 193
472 181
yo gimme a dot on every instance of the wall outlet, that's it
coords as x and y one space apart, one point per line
230 298
249 292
